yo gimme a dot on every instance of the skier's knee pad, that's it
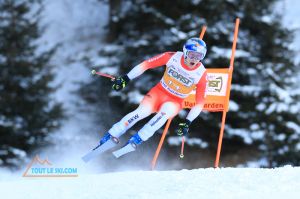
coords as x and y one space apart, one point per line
144 110
170 109
129 120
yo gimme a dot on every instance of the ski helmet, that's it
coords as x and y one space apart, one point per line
194 48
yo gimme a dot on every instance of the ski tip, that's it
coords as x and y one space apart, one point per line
85 159
124 150
93 72
116 154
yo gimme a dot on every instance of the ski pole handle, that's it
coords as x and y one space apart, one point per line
94 72
182 148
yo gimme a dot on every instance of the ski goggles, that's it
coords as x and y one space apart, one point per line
195 55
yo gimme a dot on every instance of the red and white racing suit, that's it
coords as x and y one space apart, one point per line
167 96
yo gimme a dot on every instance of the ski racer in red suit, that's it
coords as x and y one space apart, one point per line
184 73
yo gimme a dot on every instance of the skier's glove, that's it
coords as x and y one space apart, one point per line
120 82
183 128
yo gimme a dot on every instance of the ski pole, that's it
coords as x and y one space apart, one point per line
94 72
182 148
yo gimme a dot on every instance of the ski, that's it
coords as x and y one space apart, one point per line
124 150
100 149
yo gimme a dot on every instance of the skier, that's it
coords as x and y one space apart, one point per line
184 73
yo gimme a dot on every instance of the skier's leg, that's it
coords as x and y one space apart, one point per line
167 110
128 121
147 106
110 139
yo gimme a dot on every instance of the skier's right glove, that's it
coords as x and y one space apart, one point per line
120 82
183 128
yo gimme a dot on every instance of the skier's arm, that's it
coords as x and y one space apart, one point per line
156 61
200 94
196 110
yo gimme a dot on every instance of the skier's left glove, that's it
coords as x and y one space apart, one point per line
120 82
183 128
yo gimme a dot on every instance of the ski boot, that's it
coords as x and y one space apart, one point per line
107 136
107 142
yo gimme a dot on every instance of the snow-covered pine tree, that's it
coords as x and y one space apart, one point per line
27 112
263 111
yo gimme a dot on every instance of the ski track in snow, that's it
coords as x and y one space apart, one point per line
225 183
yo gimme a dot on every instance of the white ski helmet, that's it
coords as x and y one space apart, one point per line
195 45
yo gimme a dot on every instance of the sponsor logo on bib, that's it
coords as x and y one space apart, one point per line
184 80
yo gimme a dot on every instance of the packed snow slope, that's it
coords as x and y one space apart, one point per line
225 183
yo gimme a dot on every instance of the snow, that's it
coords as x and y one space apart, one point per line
226 53
290 9
178 33
140 43
277 107
225 183
177 141
280 137
261 106
294 126
233 106
159 15
267 19
244 133
257 135
135 97
246 89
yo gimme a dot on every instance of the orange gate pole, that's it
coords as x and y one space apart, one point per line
153 163
202 32
236 30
